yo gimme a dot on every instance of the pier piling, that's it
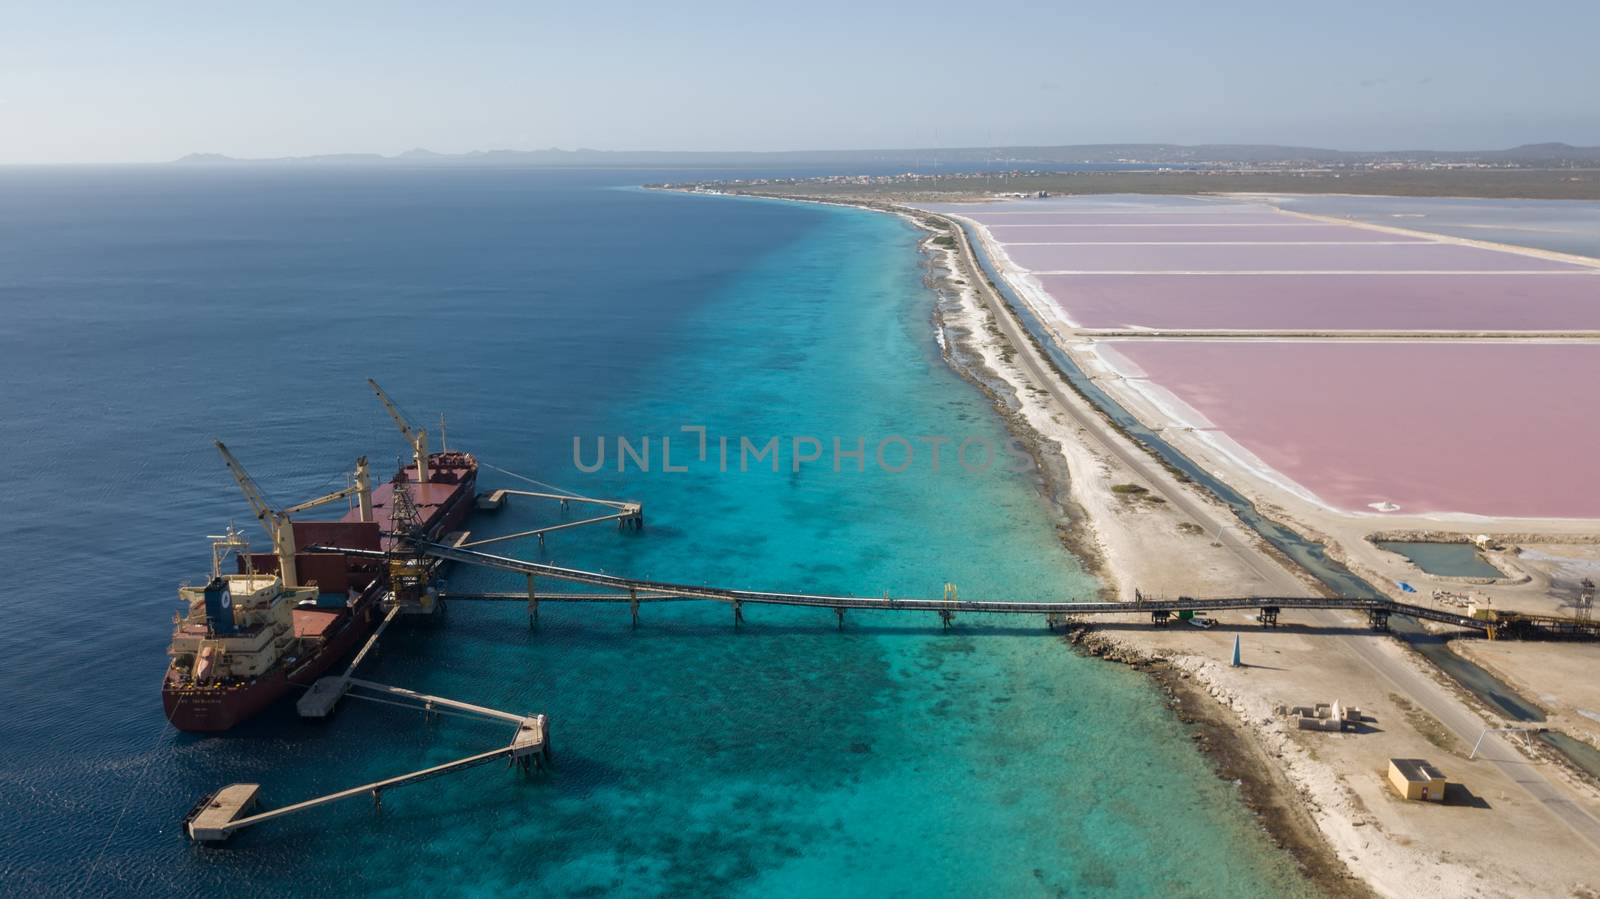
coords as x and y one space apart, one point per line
533 605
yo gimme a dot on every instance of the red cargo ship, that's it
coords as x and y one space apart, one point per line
242 640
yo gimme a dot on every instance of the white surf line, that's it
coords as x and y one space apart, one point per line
1280 271
1213 243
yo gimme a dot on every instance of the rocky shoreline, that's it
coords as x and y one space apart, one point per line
1235 756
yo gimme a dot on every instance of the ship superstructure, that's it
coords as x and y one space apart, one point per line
235 627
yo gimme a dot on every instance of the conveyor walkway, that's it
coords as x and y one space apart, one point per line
1377 610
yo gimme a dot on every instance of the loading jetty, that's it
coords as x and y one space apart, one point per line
221 814
218 816
232 808
635 591
288 616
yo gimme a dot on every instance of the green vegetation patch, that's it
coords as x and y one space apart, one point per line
1431 728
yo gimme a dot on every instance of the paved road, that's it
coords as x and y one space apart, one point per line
1389 661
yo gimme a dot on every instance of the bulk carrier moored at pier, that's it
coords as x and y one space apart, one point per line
284 618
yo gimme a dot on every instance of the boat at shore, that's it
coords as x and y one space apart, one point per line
282 619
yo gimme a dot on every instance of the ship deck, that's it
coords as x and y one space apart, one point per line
428 498
315 622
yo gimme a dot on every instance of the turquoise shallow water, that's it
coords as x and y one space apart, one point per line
784 759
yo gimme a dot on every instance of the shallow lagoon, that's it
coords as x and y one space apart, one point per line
1443 559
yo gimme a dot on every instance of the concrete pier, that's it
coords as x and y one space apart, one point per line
320 700
228 810
531 745
324 695
214 821
948 607
627 514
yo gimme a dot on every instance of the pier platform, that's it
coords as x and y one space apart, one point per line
213 821
323 697
531 745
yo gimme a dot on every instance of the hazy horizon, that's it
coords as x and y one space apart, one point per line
107 83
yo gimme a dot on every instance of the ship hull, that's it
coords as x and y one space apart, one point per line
217 708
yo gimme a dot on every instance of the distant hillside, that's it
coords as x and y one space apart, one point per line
1553 152
1547 154
329 159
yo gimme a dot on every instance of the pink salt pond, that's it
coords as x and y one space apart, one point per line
1117 217
1414 256
1275 232
1490 429
1544 302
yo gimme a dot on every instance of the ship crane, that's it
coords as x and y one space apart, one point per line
276 523
417 437
361 489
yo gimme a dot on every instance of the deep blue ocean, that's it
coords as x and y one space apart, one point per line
150 310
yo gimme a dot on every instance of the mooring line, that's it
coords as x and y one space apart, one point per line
117 824
537 483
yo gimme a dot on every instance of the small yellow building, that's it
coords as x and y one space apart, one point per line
1416 779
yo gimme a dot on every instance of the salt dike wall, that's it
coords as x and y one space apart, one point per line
1456 302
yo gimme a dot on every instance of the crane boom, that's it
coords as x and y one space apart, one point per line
417 437
247 484
319 501
361 489
276 523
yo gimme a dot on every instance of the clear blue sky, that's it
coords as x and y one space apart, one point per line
142 80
